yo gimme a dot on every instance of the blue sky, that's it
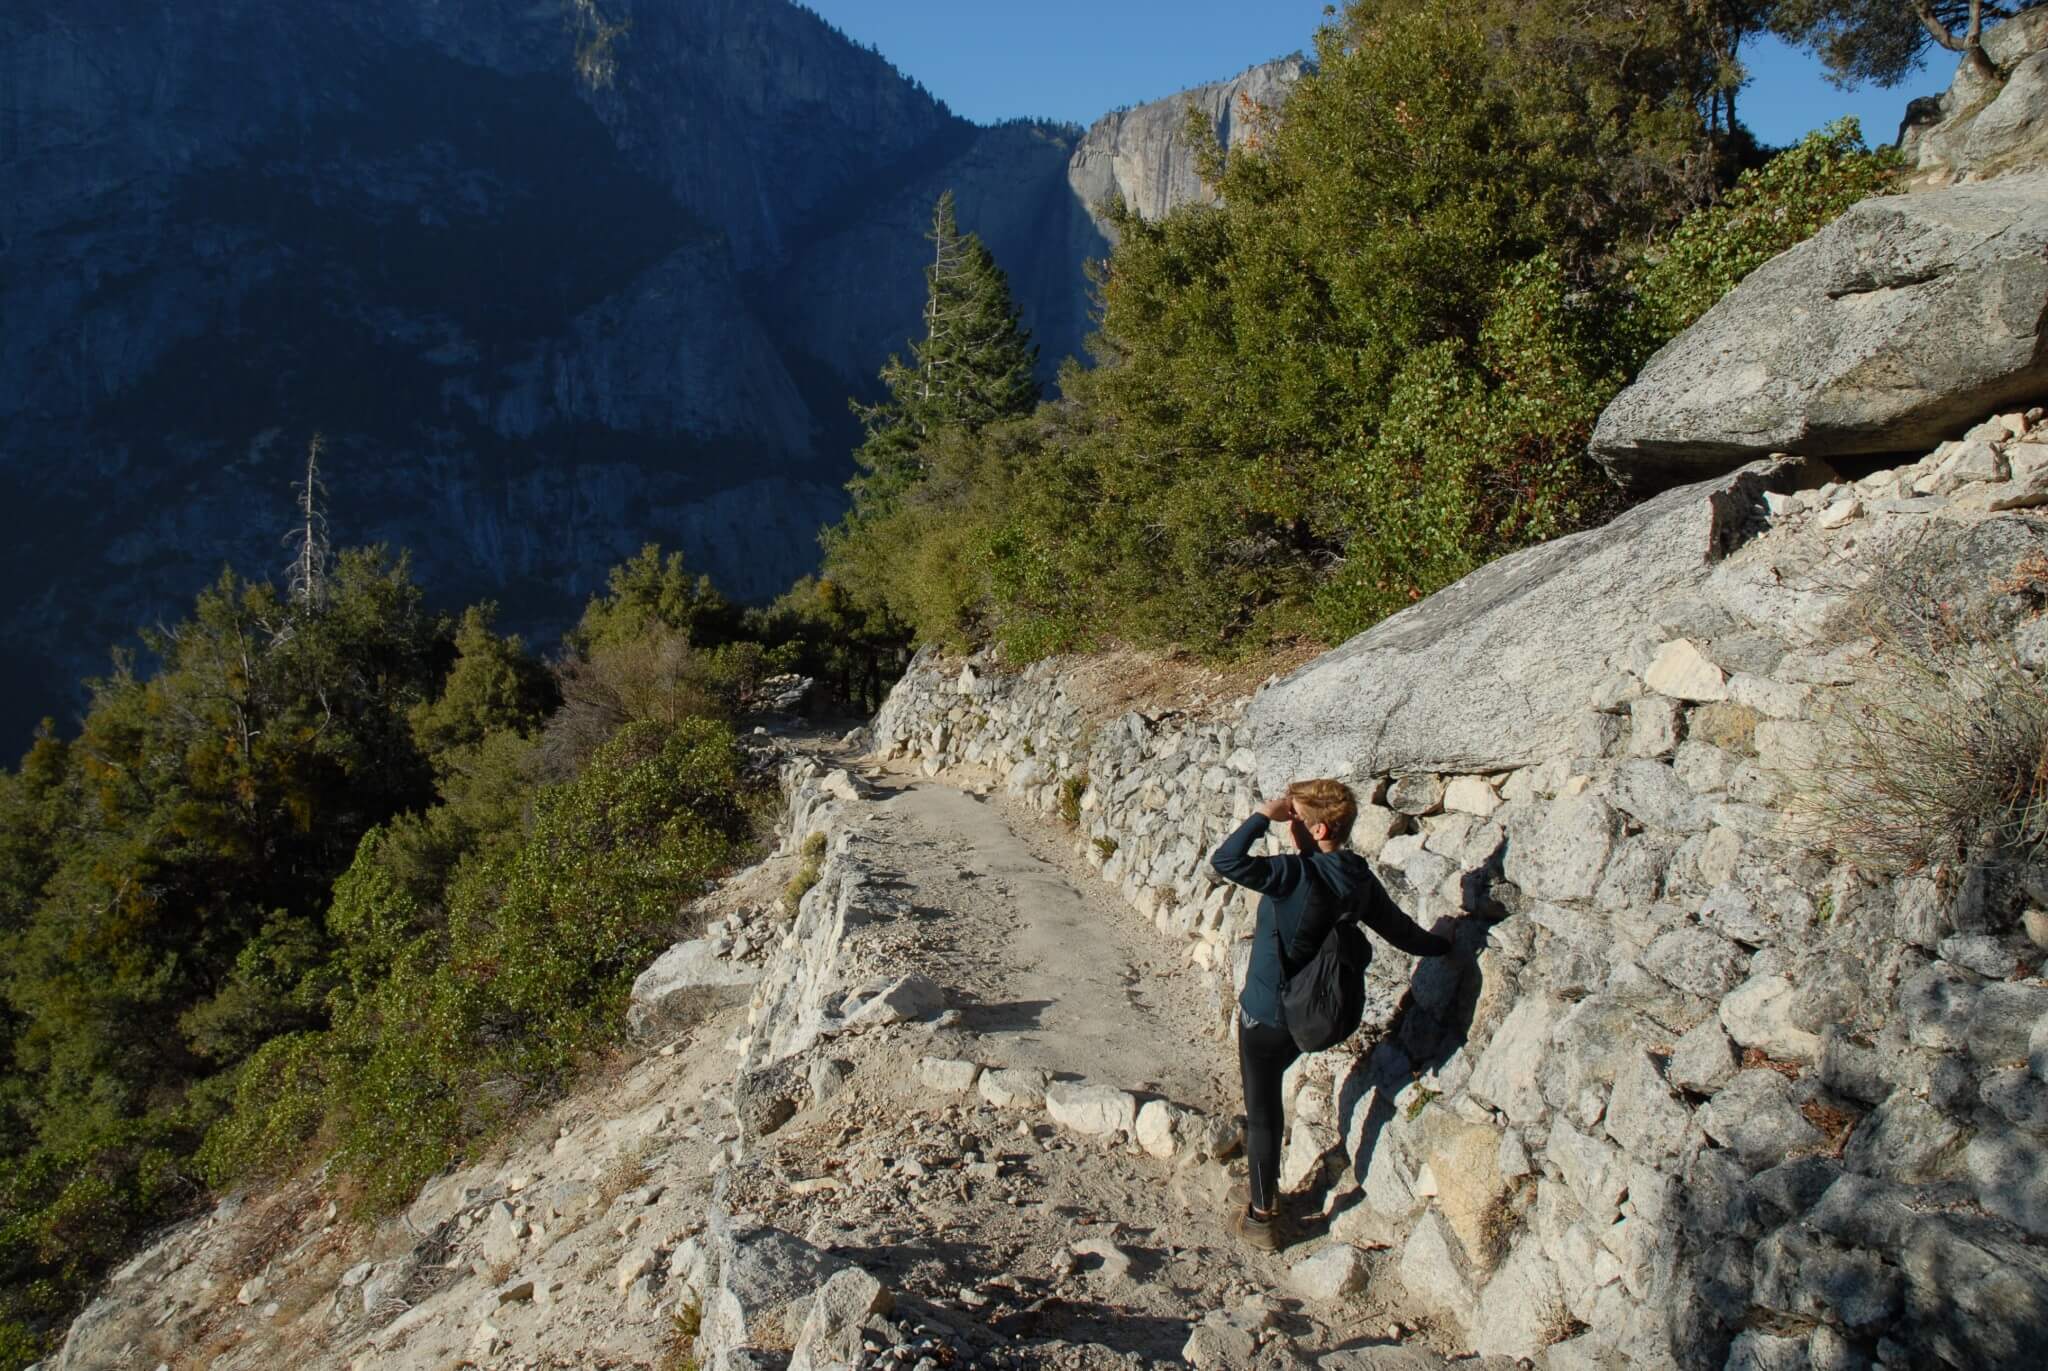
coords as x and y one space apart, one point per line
1077 60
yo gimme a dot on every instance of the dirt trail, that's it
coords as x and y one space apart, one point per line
1008 1242
1035 1246
1055 974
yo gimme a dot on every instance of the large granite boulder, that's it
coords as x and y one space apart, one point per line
1902 322
686 983
1495 672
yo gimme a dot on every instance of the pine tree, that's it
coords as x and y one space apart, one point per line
975 365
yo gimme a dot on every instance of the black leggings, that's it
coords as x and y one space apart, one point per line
1263 1056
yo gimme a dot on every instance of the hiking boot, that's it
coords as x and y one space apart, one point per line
1262 1232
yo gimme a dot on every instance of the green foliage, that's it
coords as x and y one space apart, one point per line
648 593
1374 366
1071 791
495 686
1306 411
529 970
660 647
162 880
1771 208
850 646
973 366
1106 846
308 889
801 882
1881 41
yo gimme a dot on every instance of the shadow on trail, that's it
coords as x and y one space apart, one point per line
1005 1016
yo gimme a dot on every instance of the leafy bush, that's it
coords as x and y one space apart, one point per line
455 1017
1369 370
1372 369
1770 208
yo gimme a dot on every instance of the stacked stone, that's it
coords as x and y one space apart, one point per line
1705 1095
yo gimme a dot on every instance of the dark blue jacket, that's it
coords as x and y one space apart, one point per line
1301 909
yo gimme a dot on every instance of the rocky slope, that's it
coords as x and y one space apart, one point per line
553 280
941 1113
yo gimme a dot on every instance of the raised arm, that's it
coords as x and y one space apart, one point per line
1234 862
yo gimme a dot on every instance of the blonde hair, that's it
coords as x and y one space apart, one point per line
1324 801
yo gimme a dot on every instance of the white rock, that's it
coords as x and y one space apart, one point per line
1307 1145
1093 1111
1683 672
1335 1271
1506 1075
1116 1261
1758 1013
632 1267
1159 1128
842 1304
1520 1307
948 1074
1471 795
1434 1272
1841 512
1653 726
1704 1059
908 997
684 983
1012 1087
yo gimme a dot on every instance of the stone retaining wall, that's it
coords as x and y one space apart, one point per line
1694 1092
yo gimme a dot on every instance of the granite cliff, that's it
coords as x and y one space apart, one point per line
552 279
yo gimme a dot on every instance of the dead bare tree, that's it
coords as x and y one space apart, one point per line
306 578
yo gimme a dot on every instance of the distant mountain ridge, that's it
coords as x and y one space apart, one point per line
552 280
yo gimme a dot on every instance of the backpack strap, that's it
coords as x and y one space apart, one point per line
1347 912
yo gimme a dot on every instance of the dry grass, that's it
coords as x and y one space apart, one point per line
1942 752
1835 1124
1502 1219
1071 791
1120 679
621 1173
679 1352
1753 1059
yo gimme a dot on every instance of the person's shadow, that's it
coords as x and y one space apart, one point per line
1432 1021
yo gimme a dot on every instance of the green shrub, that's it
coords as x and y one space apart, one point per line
1071 791
800 884
281 1097
1773 207
1106 846
456 1013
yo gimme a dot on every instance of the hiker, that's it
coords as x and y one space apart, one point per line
1301 899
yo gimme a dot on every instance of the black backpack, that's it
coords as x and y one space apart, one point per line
1324 999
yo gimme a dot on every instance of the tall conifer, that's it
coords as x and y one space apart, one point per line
974 365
